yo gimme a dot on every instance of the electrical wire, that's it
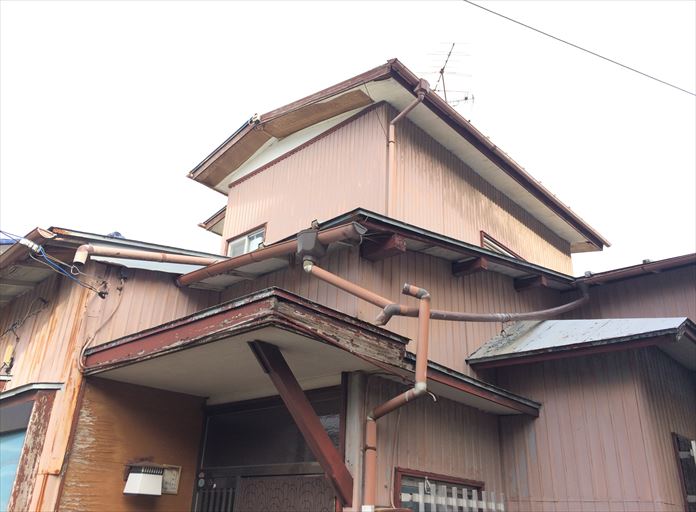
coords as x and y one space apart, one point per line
577 47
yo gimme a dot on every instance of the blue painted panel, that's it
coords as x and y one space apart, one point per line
10 450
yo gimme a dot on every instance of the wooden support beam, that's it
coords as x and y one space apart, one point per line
529 283
464 268
273 363
375 250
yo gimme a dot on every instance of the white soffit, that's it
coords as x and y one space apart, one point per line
393 93
227 371
273 148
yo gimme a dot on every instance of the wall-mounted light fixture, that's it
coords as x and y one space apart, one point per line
152 479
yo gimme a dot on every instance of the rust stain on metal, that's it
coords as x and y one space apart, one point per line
31 452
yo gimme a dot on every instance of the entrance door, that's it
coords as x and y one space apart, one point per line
256 460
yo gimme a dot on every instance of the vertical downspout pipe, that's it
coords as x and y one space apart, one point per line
419 389
421 90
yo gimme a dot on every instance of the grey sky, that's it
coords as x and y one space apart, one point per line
104 106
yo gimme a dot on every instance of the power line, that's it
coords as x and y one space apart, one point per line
579 47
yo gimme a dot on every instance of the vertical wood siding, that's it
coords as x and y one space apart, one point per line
50 344
444 437
668 294
435 190
602 440
341 171
121 423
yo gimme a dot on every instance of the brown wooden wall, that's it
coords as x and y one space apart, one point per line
51 341
341 171
446 438
451 342
121 423
602 440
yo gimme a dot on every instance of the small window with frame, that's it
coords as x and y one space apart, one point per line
420 491
491 244
247 242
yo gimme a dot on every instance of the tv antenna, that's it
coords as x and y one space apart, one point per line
442 73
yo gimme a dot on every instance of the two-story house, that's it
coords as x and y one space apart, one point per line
392 323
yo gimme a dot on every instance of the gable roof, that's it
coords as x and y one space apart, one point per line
256 142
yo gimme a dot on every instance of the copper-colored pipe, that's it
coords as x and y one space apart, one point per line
347 232
370 475
345 285
455 316
84 251
421 90
419 389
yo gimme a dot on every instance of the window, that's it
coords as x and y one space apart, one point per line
246 243
419 491
685 449
490 243
13 428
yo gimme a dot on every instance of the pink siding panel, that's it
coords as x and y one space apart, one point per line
667 294
444 437
603 438
435 190
342 171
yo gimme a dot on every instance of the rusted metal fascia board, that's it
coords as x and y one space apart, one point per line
654 267
271 307
577 350
480 389
274 365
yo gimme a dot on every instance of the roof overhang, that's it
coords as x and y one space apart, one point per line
19 273
535 341
215 222
393 83
207 354
415 239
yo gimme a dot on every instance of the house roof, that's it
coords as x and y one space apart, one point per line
256 143
532 341
642 269
19 273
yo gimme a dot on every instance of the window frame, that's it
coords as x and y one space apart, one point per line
400 472
680 469
245 235
504 249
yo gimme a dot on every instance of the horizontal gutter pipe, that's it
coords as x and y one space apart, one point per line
455 316
347 232
85 251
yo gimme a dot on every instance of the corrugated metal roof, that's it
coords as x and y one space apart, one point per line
522 340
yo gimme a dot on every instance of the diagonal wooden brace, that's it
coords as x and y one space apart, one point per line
273 363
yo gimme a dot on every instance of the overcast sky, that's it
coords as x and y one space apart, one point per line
105 106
